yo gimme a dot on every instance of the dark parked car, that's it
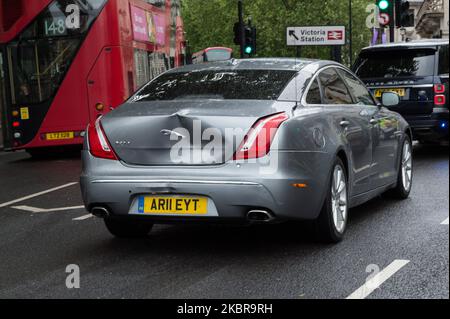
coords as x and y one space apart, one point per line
418 72
308 142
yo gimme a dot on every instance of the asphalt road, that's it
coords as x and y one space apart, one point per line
279 261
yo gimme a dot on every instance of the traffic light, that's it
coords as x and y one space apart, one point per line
403 15
250 40
237 33
386 7
386 16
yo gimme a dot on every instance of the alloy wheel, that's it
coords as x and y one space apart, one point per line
407 166
339 199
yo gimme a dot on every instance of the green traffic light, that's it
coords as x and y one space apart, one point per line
248 50
383 4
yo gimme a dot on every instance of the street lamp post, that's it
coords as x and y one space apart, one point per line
350 31
241 27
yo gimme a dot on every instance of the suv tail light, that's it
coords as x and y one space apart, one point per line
439 98
439 88
258 140
98 143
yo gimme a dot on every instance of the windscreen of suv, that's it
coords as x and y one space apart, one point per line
217 84
392 64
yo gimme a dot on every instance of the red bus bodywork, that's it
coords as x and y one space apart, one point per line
103 71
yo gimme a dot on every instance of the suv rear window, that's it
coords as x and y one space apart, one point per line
217 84
391 64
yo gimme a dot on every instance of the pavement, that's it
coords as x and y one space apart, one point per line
393 249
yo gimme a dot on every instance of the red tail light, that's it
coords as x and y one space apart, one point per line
258 140
439 88
439 99
98 143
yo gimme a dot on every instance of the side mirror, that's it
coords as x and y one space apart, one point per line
390 99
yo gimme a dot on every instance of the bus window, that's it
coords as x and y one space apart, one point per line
218 54
44 52
148 66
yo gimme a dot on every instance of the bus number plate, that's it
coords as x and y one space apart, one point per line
60 136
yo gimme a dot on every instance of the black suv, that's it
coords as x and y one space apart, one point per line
418 72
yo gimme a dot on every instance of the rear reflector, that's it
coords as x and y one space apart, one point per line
98 143
439 99
258 140
439 88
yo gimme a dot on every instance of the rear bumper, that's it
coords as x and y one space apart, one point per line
233 190
430 127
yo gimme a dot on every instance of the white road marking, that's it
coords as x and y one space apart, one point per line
46 210
37 194
84 217
377 280
445 222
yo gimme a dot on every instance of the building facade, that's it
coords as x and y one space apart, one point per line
430 21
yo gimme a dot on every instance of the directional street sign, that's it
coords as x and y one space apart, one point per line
326 35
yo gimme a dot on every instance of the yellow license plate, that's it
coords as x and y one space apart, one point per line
60 136
172 205
400 92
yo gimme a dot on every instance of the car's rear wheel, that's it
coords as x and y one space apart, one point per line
128 228
332 222
405 172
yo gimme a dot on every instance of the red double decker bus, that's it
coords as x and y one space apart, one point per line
63 63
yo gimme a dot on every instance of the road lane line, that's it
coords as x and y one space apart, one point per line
377 280
445 222
29 209
50 210
84 217
37 194
46 210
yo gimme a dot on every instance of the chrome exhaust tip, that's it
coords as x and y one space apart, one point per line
100 212
261 216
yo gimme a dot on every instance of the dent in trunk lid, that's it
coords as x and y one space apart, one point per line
141 133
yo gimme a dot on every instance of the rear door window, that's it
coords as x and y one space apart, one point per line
334 89
396 63
358 90
314 96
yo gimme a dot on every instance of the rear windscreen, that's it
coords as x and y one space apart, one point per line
217 84
391 64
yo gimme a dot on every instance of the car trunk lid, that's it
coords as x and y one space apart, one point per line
200 132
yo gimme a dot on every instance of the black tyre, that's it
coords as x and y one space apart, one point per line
332 222
405 172
127 228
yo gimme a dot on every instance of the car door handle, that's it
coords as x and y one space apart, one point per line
373 122
344 123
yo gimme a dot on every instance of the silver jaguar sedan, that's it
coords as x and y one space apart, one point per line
246 141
